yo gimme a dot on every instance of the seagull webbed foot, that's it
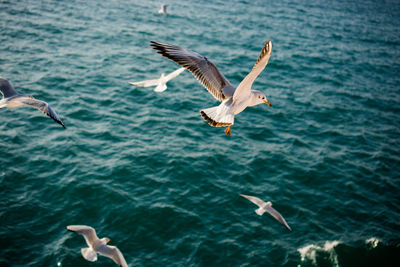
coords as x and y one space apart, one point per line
228 130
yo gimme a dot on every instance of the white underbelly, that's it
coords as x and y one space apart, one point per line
240 106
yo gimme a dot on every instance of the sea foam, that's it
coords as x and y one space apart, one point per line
308 253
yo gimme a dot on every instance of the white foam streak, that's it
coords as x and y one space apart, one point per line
309 252
373 242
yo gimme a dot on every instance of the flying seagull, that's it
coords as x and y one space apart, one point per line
97 245
234 100
163 9
161 83
13 99
267 206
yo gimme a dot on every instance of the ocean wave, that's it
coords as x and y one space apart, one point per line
371 252
312 253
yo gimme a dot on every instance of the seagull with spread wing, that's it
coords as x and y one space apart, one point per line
97 245
12 98
234 100
161 83
267 207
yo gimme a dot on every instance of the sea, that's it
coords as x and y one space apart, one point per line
144 169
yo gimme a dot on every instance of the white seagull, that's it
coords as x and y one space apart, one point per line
97 245
12 98
163 9
234 100
161 83
267 206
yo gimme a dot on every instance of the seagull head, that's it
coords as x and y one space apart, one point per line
258 98
105 240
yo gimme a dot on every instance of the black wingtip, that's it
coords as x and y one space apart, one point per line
154 44
60 122
157 46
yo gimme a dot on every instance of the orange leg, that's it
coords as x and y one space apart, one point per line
228 130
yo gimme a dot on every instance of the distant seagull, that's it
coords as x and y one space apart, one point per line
13 99
163 9
97 245
234 100
161 82
266 206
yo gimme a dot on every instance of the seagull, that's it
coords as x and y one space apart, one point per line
97 245
13 99
266 206
163 9
234 100
161 82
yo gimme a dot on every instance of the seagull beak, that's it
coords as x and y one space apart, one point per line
266 102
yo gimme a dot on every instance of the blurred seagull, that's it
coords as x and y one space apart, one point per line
161 82
234 100
266 206
97 245
13 99
163 9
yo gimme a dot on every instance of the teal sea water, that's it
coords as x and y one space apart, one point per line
144 168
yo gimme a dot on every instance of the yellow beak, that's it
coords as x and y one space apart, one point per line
266 102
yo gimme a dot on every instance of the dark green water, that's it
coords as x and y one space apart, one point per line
144 168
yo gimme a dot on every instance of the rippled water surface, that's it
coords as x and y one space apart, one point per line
144 169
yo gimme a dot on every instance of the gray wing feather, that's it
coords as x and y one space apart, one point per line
255 200
88 233
42 106
114 253
205 71
277 216
146 83
6 88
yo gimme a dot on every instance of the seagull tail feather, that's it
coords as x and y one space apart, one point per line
161 87
260 211
217 117
89 254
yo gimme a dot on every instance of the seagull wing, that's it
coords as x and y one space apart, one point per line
255 200
277 216
6 88
205 71
113 253
88 233
146 83
174 74
245 86
42 106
